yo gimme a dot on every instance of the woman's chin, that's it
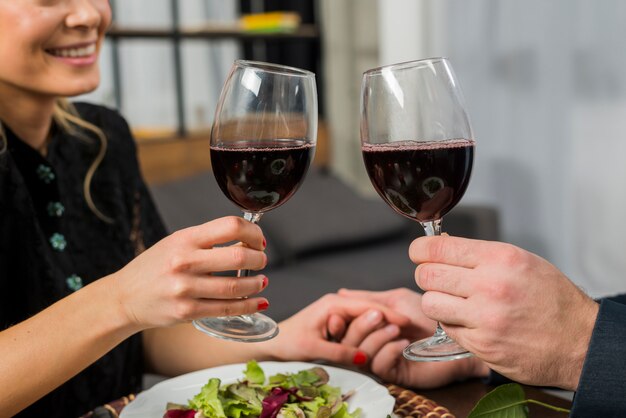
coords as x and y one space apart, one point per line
79 89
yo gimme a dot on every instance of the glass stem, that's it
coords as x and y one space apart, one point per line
432 229
254 218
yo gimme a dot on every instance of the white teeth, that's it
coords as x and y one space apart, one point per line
74 52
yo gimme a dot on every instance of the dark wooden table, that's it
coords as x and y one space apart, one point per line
460 398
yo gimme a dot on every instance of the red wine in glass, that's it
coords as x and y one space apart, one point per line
420 180
260 176
262 142
418 148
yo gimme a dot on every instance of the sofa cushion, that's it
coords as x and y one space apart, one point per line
326 215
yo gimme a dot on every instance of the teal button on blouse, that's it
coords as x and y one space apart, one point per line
74 282
58 241
55 209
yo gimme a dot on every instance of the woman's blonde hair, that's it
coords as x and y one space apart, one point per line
67 118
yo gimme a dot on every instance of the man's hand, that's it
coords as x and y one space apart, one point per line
511 308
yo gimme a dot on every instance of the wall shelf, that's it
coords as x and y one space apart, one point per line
304 32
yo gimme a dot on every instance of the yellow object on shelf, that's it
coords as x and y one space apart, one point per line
270 22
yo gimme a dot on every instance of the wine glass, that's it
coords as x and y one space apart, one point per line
418 150
262 142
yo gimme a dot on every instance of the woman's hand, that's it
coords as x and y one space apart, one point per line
174 280
384 345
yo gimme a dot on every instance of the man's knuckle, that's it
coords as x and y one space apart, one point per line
511 256
429 307
429 276
437 249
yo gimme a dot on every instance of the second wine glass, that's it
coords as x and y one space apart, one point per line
262 142
418 150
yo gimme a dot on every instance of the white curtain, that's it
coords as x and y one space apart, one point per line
546 89
147 69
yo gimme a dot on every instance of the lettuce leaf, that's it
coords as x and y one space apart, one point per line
343 412
254 373
305 393
208 402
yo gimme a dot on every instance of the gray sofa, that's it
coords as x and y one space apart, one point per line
325 238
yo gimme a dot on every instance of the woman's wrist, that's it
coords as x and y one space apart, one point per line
266 351
117 313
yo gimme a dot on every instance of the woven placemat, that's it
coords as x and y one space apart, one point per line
408 404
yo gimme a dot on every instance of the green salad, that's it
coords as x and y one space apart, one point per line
305 394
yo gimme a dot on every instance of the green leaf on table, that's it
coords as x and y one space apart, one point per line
506 401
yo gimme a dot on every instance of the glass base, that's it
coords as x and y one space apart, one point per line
435 348
245 328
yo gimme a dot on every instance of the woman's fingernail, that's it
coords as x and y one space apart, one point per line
360 358
374 317
392 329
263 305
264 243
265 282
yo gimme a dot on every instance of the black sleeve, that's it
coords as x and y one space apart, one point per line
496 379
602 388
617 298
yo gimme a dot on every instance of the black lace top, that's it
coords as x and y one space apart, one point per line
52 243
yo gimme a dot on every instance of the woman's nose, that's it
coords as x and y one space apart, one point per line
83 13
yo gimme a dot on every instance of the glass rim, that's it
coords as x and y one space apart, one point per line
405 65
274 68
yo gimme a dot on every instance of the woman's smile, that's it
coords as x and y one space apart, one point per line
78 54
53 47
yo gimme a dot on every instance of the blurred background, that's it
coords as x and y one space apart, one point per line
544 81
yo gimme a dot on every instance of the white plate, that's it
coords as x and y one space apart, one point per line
374 399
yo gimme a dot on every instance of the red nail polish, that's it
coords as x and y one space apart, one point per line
263 305
265 281
360 358
264 243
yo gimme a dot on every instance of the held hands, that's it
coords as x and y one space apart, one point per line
306 335
383 344
511 308
173 281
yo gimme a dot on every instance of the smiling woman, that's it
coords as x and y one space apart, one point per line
74 210
92 291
